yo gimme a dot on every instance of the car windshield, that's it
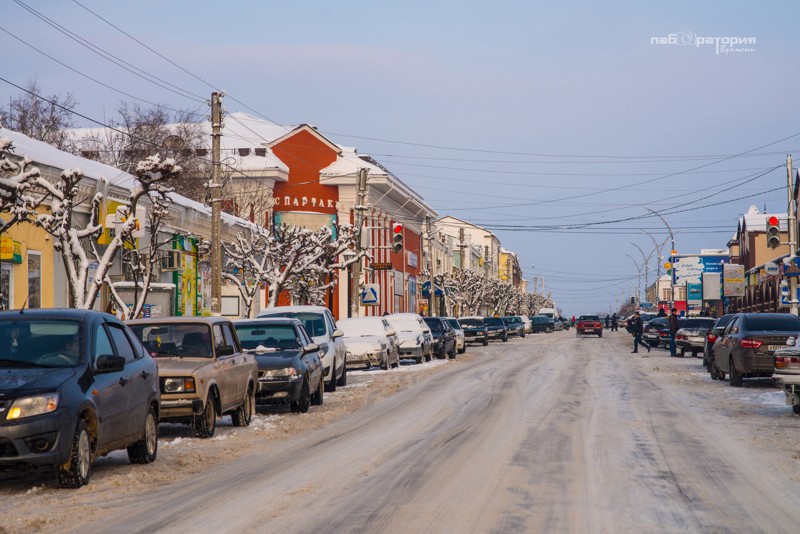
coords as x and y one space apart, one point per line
261 338
781 323
434 324
699 323
471 322
175 339
362 327
404 325
40 343
493 321
589 318
314 322
512 320
454 323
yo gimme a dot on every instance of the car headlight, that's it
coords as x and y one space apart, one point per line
178 385
35 405
287 372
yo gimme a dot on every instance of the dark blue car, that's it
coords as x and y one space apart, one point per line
74 385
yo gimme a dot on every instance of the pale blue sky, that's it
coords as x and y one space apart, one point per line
566 78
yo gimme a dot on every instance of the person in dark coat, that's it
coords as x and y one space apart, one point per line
672 321
662 312
614 322
637 329
608 321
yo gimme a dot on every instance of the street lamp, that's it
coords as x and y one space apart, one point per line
646 260
672 250
639 277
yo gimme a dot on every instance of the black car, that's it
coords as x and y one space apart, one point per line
74 385
692 335
289 362
515 325
496 327
541 323
444 338
747 346
651 330
475 330
711 338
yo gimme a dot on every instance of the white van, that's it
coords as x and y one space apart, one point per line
550 312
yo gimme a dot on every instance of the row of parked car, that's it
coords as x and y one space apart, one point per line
78 384
740 346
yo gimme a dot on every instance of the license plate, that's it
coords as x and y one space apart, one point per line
696 339
776 347
588 329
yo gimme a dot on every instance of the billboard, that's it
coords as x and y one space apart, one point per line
733 280
690 269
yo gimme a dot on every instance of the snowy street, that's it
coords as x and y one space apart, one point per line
550 433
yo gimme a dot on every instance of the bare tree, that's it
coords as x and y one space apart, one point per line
139 131
45 119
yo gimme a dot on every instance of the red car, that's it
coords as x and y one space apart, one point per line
589 324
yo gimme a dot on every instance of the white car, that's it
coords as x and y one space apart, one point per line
416 339
320 325
527 322
370 341
461 342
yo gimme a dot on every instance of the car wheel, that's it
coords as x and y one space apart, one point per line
600 334
204 425
75 472
317 398
505 338
712 370
342 382
144 451
244 413
486 341
463 349
330 387
796 409
735 375
302 404
683 353
385 364
452 354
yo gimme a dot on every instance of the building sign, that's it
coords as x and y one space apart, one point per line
10 250
422 307
185 278
371 295
412 259
381 266
711 286
733 280
398 283
287 201
694 293
689 269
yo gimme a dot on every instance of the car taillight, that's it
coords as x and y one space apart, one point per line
784 361
751 343
663 334
681 336
711 338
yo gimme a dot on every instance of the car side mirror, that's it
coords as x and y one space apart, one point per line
225 350
337 333
391 332
311 347
735 330
790 341
109 363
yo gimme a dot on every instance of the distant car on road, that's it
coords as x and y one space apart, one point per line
557 325
588 324
692 335
541 323
652 329
289 362
413 334
748 344
444 338
475 330
370 341
527 322
515 325
461 341
74 386
497 328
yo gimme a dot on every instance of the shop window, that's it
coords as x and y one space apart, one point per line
34 279
5 287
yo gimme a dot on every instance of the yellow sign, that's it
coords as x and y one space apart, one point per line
10 250
667 265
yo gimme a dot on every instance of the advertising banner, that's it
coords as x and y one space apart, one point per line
733 280
711 287
689 269
185 278
694 294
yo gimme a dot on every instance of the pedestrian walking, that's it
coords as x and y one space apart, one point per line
608 321
636 328
672 321
614 322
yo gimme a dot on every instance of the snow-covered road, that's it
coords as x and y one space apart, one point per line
551 433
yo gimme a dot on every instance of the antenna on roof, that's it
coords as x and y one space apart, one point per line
22 309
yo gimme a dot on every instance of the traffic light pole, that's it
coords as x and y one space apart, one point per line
358 216
793 304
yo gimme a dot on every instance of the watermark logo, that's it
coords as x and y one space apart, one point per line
722 45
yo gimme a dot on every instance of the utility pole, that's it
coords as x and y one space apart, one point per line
358 209
461 247
429 232
216 194
792 236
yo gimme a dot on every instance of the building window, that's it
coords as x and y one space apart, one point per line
34 279
6 278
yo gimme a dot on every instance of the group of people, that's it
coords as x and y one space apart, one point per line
612 322
636 327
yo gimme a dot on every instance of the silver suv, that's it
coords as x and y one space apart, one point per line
320 325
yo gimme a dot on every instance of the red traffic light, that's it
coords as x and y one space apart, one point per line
773 220
397 228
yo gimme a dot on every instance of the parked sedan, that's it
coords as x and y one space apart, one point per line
202 371
515 325
461 341
496 327
747 346
711 338
413 334
444 339
290 369
541 323
692 335
370 341
475 330
74 385
652 329
787 372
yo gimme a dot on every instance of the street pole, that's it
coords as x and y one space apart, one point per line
216 190
428 230
638 279
793 304
461 247
646 260
358 209
671 253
